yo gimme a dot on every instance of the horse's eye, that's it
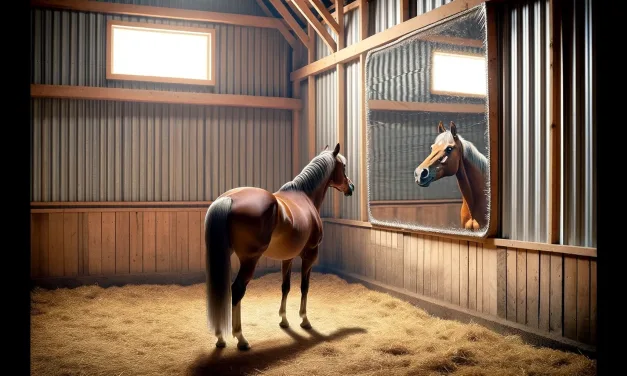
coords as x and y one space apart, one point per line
449 149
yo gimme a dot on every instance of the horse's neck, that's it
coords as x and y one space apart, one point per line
469 176
317 196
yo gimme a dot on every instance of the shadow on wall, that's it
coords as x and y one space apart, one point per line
262 355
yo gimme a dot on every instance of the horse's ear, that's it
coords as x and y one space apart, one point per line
441 128
336 150
453 128
326 148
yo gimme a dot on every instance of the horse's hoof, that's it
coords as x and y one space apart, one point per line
243 346
305 325
284 324
221 344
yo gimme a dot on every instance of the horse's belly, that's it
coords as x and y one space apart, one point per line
286 245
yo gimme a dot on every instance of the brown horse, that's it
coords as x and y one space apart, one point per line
453 155
253 222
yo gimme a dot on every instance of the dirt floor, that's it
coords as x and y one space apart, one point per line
162 330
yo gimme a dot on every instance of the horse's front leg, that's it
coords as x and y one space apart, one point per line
286 270
309 257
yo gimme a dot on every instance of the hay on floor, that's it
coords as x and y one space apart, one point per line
162 330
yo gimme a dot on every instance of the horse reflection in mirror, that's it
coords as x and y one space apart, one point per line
253 222
452 155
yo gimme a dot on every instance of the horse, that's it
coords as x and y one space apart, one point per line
253 222
451 155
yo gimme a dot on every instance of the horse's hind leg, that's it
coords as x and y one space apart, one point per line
286 270
238 289
309 257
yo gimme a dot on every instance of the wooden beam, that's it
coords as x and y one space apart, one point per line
555 24
313 21
544 247
382 105
455 41
326 16
494 118
300 16
341 100
363 182
287 16
157 96
285 30
352 52
311 98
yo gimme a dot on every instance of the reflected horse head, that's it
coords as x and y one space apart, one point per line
444 159
452 155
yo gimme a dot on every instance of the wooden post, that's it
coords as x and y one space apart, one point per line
404 8
311 96
295 130
363 181
341 100
555 137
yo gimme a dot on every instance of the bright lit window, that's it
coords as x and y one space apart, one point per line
160 53
458 74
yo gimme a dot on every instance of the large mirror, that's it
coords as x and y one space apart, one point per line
427 129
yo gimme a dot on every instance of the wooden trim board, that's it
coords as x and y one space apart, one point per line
383 105
157 96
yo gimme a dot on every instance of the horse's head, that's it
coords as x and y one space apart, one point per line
338 179
444 158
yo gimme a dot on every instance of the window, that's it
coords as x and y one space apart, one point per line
458 74
160 53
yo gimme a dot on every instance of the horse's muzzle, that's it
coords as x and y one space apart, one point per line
351 188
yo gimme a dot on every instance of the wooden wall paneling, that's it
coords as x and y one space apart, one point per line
399 259
593 302
501 282
163 241
149 245
409 266
455 272
472 275
511 284
583 300
521 286
533 289
447 276
371 260
108 243
479 277
55 250
434 277
491 280
556 294
182 241
194 220
83 244
203 246
172 249
545 285
464 268
95 243
43 232
420 263
70 244
122 243
136 241
570 297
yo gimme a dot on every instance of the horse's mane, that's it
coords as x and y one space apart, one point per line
312 175
469 150
473 155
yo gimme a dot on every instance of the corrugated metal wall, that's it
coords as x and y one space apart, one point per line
383 14
249 7
113 151
304 120
578 128
424 6
69 48
326 122
527 117
349 208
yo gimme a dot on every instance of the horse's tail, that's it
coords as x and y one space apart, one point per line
218 247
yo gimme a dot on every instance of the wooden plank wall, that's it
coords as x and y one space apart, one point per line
548 291
455 271
107 242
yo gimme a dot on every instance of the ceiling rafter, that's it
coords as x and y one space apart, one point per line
317 25
287 16
325 14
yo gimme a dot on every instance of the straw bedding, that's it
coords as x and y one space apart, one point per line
162 330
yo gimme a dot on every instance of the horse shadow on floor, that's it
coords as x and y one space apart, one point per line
262 355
